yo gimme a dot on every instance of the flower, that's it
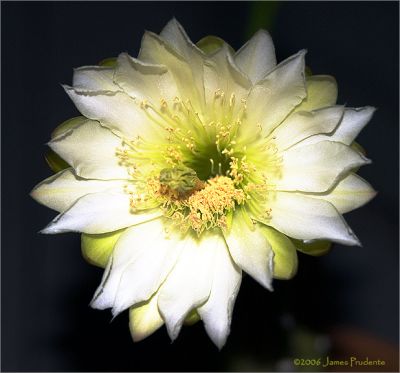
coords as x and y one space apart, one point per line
193 163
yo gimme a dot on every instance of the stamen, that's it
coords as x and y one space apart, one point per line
192 136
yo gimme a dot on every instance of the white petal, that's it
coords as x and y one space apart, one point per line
257 56
350 193
316 167
91 150
99 213
222 75
354 120
321 92
250 249
61 190
273 98
303 217
114 110
189 284
187 74
216 313
145 319
94 78
144 81
175 35
303 124
139 266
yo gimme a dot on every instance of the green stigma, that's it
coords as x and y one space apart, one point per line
180 179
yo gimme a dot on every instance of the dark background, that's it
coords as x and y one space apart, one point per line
46 285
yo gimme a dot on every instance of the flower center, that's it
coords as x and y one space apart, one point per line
196 167
205 206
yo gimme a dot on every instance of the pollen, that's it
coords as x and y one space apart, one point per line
205 206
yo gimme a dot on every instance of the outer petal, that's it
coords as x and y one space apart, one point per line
354 120
285 256
216 313
62 190
189 284
55 162
99 213
313 247
94 78
321 92
211 44
250 249
303 217
257 56
350 193
91 150
316 167
114 110
138 269
68 125
273 98
302 124
145 319
144 81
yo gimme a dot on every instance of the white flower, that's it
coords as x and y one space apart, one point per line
192 163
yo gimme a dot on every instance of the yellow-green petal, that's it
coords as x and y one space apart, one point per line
97 248
144 319
55 162
109 62
210 44
315 248
192 318
321 92
358 148
285 255
67 125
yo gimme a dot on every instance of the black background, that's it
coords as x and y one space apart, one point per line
46 285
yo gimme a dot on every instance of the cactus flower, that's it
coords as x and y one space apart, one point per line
192 163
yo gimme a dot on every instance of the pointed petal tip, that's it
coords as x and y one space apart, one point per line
266 283
117 309
174 20
67 87
365 160
96 304
370 108
138 337
262 31
174 330
353 240
301 53
172 335
220 343
114 315
47 230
